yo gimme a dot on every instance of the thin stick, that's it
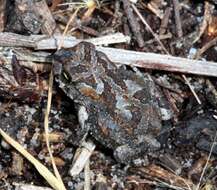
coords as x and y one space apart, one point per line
138 59
87 175
2 14
192 89
134 24
207 162
149 28
81 158
49 24
177 18
72 18
206 47
46 120
165 21
46 124
180 35
21 186
163 47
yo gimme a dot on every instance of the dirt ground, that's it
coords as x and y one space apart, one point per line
181 28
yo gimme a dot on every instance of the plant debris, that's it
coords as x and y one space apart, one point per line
156 39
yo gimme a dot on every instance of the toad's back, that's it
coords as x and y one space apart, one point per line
121 104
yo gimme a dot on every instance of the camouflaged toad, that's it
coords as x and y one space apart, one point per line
119 107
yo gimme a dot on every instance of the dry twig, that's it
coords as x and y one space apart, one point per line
2 14
83 155
206 47
153 7
19 186
165 21
164 177
177 18
135 27
149 28
46 124
49 25
208 159
165 50
137 59
87 175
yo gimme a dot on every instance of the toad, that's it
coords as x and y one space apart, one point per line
118 106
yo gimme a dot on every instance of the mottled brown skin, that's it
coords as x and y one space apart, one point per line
122 107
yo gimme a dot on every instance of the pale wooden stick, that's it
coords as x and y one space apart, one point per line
138 59
82 157
161 62
87 175
2 14
19 186
177 18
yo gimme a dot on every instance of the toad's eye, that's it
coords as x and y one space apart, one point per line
66 77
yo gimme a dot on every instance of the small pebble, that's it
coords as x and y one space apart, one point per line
5 145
